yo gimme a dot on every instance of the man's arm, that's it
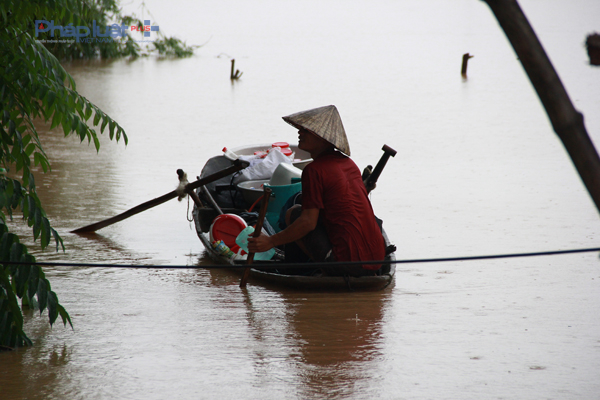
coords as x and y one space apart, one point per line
306 222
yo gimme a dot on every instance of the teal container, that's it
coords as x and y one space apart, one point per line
279 197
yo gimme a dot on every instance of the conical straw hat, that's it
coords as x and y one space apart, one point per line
324 122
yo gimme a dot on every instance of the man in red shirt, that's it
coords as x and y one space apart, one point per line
333 197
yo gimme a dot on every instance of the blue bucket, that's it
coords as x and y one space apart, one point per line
279 197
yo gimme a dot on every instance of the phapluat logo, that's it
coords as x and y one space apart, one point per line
146 28
81 32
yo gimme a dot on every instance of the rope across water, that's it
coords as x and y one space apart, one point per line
281 266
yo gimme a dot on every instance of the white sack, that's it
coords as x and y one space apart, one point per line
263 169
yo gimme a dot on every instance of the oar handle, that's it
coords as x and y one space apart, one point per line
257 231
237 166
372 179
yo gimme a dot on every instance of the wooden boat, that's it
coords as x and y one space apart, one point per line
222 196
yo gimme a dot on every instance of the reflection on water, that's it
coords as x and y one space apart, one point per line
478 171
335 354
317 342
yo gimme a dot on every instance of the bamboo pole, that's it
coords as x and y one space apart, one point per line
566 120
257 232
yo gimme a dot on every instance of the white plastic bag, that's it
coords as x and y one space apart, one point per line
263 169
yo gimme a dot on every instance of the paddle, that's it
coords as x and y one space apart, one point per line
372 179
237 165
257 230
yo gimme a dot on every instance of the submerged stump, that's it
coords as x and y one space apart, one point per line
593 48
465 62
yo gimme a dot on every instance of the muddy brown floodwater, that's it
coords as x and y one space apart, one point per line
478 171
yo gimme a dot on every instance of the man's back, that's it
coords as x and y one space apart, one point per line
332 183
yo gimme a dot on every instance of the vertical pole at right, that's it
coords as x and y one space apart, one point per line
566 121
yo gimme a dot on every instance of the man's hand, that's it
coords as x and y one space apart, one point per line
260 244
297 230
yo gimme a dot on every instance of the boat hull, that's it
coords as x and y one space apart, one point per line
303 282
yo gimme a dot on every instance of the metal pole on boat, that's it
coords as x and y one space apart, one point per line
211 200
566 120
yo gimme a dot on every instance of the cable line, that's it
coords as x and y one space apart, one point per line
312 264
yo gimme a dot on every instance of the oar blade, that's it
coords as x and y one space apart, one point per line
237 165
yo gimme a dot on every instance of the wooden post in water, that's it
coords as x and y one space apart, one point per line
234 76
592 43
566 120
465 61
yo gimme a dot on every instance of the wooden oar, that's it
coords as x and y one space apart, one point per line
237 165
257 230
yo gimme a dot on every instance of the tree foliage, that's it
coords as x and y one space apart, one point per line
27 281
35 87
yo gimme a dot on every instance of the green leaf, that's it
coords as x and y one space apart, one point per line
56 120
37 158
51 97
88 111
37 223
6 244
52 307
105 120
74 122
19 164
15 251
31 181
10 304
96 141
58 240
22 276
96 118
34 279
65 125
41 160
42 293
112 129
26 138
46 232
64 315
29 208
29 149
